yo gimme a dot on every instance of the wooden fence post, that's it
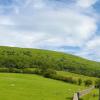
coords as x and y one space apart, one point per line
78 95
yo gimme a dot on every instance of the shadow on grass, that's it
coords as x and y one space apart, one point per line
80 99
69 98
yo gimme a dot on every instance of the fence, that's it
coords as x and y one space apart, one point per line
75 97
82 93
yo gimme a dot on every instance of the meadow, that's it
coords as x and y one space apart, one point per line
34 87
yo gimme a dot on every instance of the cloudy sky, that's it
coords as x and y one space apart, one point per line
71 26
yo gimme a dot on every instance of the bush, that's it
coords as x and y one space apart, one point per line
4 69
31 71
65 79
69 80
88 82
15 70
97 83
79 81
37 71
28 70
48 73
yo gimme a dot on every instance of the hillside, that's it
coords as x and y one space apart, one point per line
20 58
34 87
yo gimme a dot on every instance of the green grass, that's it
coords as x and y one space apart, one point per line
33 87
91 96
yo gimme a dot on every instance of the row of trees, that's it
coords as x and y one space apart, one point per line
49 73
52 74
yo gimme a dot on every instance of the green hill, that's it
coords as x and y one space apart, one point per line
21 58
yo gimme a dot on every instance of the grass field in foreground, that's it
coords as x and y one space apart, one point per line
33 87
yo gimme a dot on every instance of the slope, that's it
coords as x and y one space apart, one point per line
13 57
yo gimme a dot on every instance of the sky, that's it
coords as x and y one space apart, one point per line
70 26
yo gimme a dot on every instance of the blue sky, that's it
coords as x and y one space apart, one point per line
71 26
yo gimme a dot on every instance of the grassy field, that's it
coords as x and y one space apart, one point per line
33 87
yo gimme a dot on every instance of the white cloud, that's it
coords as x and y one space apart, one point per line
39 25
91 49
5 21
85 3
94 43
57 25
67 26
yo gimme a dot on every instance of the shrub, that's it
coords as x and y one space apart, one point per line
4 69
48 73
15 70
37 71
69 80
28 70
97 83
88 82
79 81
65 79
